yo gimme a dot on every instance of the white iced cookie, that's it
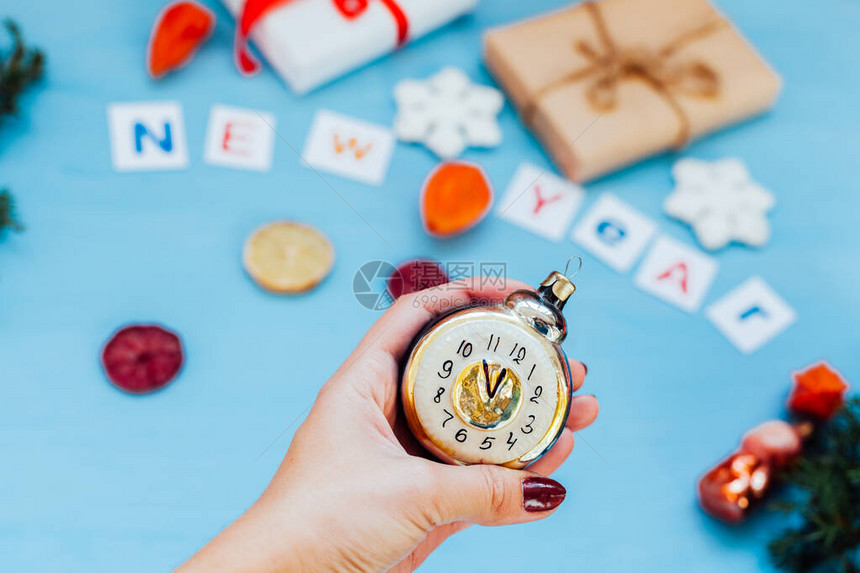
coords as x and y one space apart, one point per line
448 113
720 202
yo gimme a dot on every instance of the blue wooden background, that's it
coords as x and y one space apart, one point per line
92 479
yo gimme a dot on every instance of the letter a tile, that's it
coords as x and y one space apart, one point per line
676 273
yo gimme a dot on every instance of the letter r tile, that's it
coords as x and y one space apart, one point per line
750 315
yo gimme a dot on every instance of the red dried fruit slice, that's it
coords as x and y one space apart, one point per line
413 276
818 391
179 30
142 358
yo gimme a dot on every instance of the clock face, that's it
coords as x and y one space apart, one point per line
484 387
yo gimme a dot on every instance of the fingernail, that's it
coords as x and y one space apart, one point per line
542 494
584 365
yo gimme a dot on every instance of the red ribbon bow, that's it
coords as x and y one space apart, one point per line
255 10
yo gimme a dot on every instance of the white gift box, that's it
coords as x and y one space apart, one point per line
310 42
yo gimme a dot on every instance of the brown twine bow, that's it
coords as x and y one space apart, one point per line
613 65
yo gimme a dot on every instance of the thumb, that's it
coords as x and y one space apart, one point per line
493 495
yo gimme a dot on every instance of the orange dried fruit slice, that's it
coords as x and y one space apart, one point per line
818 391
288 257
456 196
179 30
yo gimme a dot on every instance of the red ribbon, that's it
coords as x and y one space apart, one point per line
255 10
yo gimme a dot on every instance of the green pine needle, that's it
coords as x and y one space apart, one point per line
8 219
20 67
827 479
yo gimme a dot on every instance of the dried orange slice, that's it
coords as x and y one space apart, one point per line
179 30
142 358
456 196
288 257
818 391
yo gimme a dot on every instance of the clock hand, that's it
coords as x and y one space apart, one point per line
499 379
487 378
491 387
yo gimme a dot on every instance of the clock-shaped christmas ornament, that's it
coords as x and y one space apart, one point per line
491 385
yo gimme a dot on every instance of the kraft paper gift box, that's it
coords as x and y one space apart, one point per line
607 83
310 42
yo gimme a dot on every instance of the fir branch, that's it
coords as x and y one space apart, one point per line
20 67
8 219
827 478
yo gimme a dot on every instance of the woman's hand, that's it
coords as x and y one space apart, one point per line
354 492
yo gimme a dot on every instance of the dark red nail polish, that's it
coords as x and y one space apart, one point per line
542 494
584 365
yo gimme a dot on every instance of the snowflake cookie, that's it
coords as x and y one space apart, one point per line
720 202
448 113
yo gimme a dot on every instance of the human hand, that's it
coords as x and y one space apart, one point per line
354 492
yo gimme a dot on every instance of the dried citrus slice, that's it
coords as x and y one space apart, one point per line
456 196
818 391
288 257
179 30
142 358
415 275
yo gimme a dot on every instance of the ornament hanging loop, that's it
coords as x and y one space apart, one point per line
578 260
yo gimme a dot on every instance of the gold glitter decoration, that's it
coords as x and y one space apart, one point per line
487 395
